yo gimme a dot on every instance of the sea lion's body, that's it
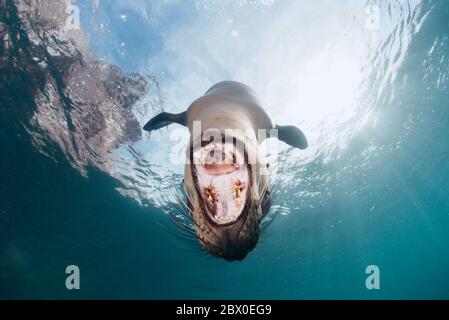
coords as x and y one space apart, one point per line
227 200
229 105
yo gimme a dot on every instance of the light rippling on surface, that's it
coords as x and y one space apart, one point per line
329 79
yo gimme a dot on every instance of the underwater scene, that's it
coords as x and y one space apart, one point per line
348 193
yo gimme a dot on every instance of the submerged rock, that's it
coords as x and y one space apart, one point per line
65 98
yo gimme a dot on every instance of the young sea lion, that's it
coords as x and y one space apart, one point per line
225 177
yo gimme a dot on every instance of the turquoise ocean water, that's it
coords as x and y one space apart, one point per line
372 189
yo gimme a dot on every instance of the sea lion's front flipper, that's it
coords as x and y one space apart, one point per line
164 119
292 136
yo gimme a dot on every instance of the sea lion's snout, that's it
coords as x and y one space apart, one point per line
227 210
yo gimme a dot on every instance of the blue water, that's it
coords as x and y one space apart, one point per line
372 189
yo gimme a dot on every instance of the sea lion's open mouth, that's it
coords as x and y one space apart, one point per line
222 181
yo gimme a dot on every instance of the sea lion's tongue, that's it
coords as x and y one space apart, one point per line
219 169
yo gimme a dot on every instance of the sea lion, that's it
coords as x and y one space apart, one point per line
225 178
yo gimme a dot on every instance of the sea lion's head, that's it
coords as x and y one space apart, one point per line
227 194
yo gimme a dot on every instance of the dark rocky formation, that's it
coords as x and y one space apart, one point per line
66 99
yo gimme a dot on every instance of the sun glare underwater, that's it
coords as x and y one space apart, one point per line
367 81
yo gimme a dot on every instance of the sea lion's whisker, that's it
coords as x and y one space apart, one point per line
178 211
180 221
186 211
194 242
180 236
175 208
179 198
268 222
189 198
182 225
